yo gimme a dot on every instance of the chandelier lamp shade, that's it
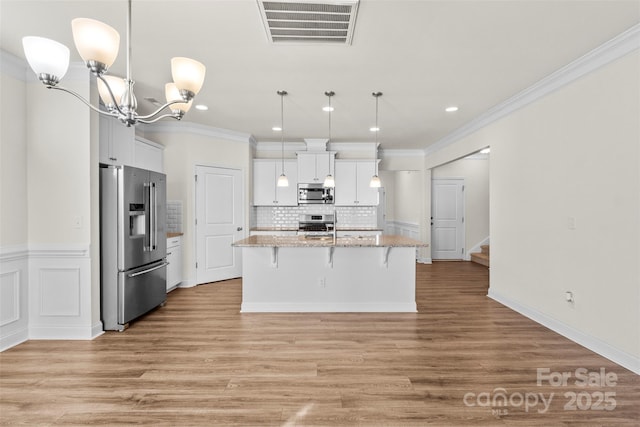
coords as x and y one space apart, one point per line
375 180
283 181
329 180
98 45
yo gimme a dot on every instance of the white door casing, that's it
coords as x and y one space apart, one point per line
447 218
219 223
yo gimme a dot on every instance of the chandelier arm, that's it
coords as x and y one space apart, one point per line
155 113
97 110
164 116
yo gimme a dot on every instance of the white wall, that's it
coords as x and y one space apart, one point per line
49 285
14 307
475 172
572 154
183 151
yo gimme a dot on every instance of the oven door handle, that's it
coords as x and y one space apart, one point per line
148 270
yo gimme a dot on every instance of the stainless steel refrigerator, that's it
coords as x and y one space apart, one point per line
133 244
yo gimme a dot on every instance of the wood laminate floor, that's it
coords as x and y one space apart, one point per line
462 360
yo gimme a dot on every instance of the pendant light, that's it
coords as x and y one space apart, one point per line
283 181
375 180
98 45
329 181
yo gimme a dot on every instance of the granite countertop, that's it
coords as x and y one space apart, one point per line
346 242
170 235
274 229
296 229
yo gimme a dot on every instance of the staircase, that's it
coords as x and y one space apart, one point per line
481 257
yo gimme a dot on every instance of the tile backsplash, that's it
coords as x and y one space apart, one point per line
174 216
287 216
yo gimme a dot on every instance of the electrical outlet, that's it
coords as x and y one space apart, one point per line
322 282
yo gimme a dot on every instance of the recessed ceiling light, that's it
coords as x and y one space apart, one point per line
451 109
201 107
327 108
276 128
374 129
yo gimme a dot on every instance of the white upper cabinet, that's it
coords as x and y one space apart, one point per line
314 167
265 178
352 183
116 142
120 146
148 155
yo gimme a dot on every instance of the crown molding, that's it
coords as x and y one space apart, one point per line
401 153
619 46
197 129
277 146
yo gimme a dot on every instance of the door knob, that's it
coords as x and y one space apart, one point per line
239 229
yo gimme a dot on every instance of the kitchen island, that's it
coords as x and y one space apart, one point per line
344 274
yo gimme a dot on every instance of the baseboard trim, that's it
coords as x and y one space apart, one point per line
96 330
328 308
13 339
61 333
596 345
425 260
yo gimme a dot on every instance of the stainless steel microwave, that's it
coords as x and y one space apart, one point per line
314 193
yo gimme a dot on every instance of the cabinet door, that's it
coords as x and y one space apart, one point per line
148 156
174 258
116 142
122 138
322 166
264 183
307 168
287 196
346 184
367 196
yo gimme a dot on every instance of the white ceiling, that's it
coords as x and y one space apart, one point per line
423 55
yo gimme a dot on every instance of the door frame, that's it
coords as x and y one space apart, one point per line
463 226
194 207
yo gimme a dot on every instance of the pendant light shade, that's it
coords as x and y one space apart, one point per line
375 180
46 57
172 93
117 85
283 181
96 42
329 181
188 75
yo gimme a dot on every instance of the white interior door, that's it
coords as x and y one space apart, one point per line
219 223
447 218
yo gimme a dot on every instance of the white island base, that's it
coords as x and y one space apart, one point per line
337 278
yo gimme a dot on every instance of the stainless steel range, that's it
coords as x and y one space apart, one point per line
317 225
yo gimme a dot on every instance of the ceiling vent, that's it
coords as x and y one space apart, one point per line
309 21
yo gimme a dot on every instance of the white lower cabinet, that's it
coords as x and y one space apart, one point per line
174 258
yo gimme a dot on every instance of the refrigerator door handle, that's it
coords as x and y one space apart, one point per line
154 206
148 270
147 214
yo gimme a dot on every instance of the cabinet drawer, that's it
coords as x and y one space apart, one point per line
173 242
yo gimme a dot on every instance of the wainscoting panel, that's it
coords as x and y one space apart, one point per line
60 297
14 315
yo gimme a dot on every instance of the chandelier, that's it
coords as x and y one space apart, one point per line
98 44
